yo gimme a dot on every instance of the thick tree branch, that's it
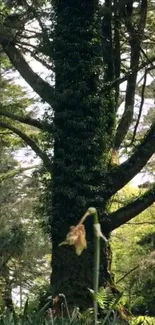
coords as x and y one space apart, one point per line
136 37
119 176
47 162
27 120
131 210
41 87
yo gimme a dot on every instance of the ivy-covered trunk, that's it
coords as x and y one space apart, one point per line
84 117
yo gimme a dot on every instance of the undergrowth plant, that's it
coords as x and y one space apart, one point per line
112 312
85 319
109 304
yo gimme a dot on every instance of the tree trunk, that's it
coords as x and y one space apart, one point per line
73 275
84 118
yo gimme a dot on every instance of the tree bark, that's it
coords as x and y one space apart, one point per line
73 275
84 123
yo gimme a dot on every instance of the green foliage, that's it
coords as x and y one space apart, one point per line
44 316
112 307
143 320
24 248
106 299
133 261
15 100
